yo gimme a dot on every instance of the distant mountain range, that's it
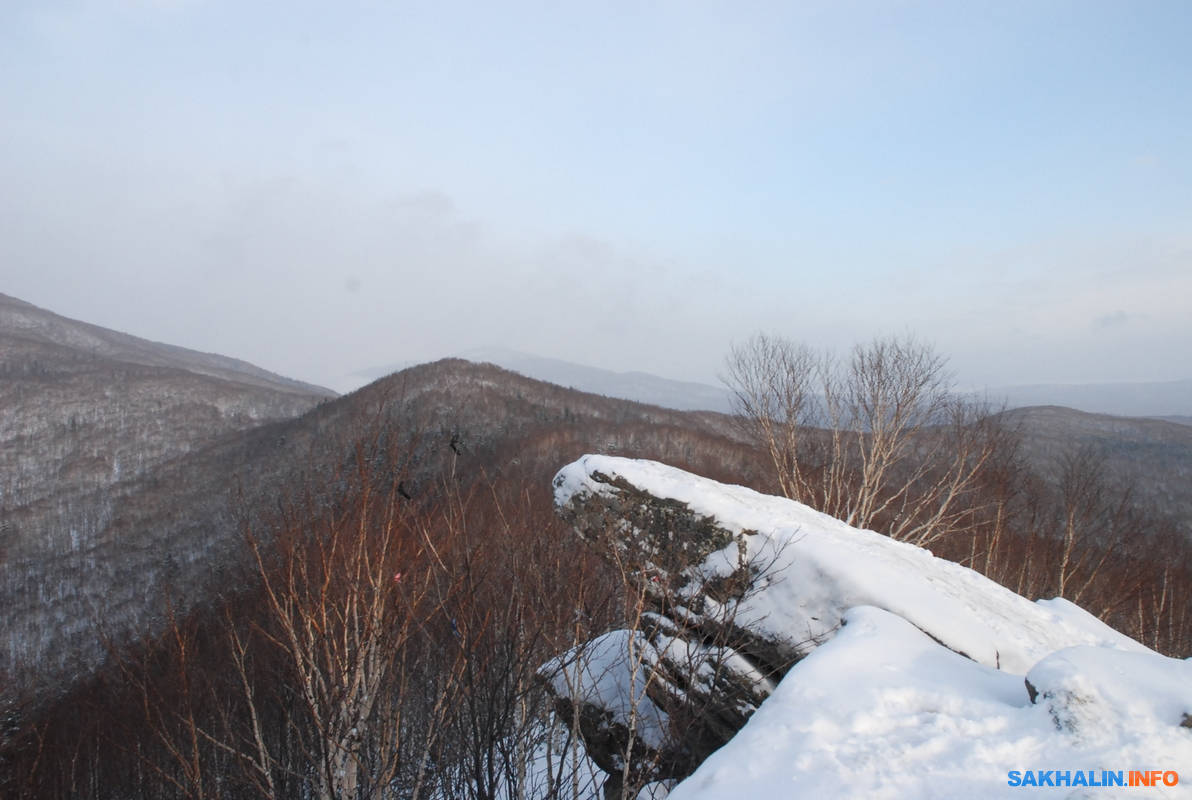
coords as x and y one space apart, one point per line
86 408
1171 401
25 321
640 387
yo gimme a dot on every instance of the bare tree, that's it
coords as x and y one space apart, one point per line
880 441
775 385
344 572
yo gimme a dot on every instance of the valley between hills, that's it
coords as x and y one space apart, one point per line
147 491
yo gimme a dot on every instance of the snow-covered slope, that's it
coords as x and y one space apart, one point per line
916 670
882 712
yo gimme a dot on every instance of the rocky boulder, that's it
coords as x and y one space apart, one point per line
729 589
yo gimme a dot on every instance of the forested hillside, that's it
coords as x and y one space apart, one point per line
86 409
358 601
175 528
1150 457
89 416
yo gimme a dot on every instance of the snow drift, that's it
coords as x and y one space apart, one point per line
901 674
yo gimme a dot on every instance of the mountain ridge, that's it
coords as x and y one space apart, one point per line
22 319
1158 399
1170 400
639 387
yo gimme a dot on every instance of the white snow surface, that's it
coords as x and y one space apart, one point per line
816 568
882 712
887 705
611 672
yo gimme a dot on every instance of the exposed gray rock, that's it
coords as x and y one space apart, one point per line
694 678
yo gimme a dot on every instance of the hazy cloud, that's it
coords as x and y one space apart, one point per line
1115 320
631 185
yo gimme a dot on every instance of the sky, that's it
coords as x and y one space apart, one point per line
324 187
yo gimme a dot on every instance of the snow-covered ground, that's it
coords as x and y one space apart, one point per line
916 685
881 711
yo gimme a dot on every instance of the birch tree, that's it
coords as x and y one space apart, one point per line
880 440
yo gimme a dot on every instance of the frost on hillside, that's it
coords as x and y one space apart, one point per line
884 671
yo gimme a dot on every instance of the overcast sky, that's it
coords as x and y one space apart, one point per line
325 187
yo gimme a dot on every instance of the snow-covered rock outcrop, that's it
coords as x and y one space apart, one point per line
902 675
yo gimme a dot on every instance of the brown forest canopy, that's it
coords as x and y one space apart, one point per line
410 523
